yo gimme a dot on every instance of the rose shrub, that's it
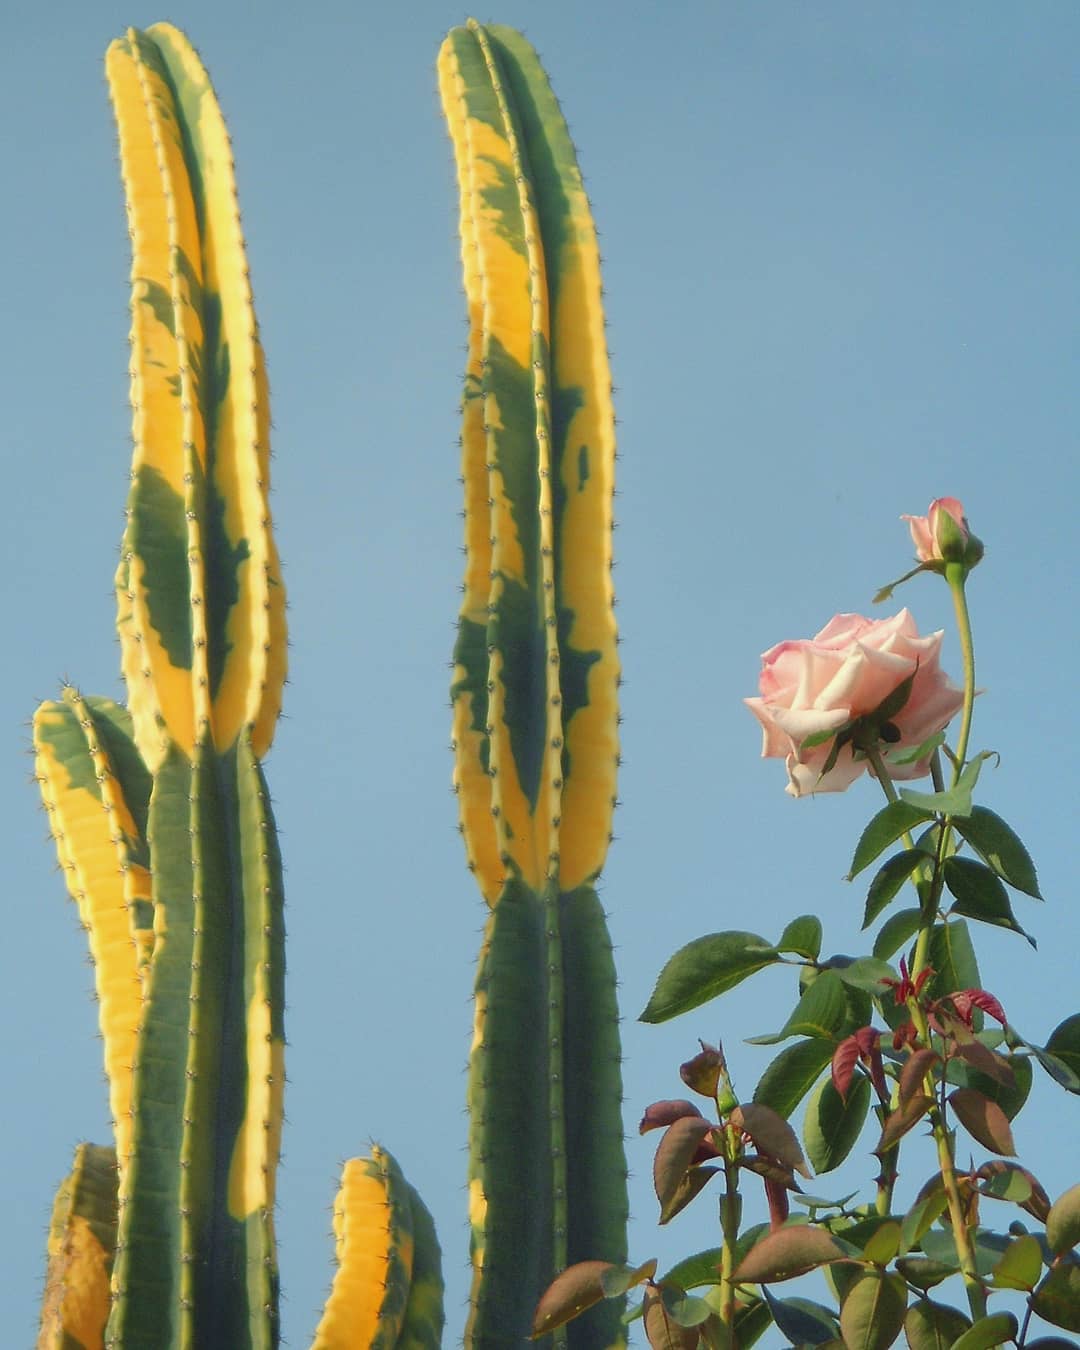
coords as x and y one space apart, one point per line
812 686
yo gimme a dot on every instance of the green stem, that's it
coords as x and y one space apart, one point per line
965 1250
730 1214
955 574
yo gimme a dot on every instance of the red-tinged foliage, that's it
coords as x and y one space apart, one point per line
702 1074
662 1114
965 1001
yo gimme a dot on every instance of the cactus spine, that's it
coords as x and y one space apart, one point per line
160 811
536 673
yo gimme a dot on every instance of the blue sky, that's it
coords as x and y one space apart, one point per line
840 261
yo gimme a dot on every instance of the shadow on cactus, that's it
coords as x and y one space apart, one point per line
162 818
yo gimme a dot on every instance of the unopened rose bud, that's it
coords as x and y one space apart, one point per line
943 536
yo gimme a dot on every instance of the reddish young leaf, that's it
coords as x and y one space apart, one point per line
771 1134
675 1154
692 1183
966 1000
1031 1197
770 1170
661 1329
903 1119
777 1196
844 1060
702 1073
661 1114
913 1074
982 1058
984 1120
577 1288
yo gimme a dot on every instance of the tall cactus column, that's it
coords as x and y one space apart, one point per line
190 976
201 623
536 672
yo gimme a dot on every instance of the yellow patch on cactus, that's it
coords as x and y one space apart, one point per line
87 829
373 1228
75 1307
249 692
253 1168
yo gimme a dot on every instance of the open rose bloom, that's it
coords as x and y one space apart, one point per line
814 685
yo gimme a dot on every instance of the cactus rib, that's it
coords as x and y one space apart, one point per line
534 691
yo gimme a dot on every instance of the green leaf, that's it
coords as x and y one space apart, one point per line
884 1243
786 1253
895 932
825 1010
802 1321
1020 1267
951 954
802 936
984 1120
686 1309
616 1280
999 846
872 1314
933 1326
980 894
884 829
988 1331
751 1323
924 1273
705 968
1063 1221
955 801
694 1271
1064 1045
921 1215
1057 1299
888 880
792 1074
1010 1097
870 974
911 754
832 1126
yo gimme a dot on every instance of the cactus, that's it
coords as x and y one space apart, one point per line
534 695
160 811
82 1243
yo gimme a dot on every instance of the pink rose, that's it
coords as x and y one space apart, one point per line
811 686
942 535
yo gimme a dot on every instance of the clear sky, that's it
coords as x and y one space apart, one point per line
840 258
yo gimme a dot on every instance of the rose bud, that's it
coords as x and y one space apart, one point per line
943 535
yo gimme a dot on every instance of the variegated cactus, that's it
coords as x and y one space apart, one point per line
161 813
536 674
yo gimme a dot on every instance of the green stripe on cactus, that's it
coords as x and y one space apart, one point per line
82 1240
596 1161
510 1130
148 1275
539 499
583 433
92 814
200 603
251 645
422 1325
